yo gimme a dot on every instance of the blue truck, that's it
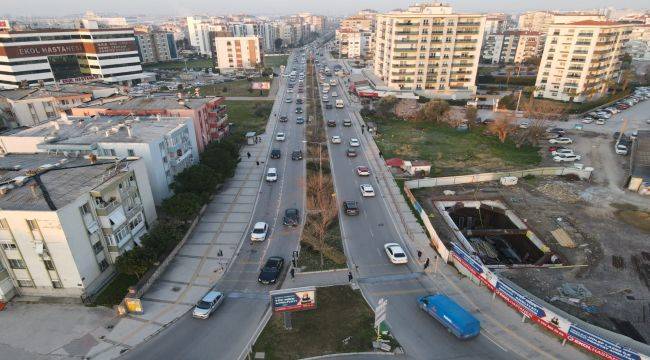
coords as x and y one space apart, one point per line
451 315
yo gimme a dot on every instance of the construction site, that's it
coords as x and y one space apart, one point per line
569 242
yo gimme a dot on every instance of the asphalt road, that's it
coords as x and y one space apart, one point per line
364 237
228 332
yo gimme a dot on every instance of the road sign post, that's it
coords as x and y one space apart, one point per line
380 315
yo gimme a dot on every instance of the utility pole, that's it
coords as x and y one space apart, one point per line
518 99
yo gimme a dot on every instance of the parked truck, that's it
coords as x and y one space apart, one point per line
451 315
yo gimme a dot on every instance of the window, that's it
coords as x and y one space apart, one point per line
85 209
32 224
25 283
17 264
98 247
130 152
49 264
57 284
103 265
8 246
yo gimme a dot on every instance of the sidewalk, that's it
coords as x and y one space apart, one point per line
500 323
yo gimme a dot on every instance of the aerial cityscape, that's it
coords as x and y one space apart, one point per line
324 180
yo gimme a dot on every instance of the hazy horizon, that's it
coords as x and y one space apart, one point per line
44 8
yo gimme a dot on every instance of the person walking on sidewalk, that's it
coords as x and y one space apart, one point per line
349 276
248 154
419 255
258 163
426 264
292 272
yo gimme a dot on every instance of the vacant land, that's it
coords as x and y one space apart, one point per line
342 323
275 61
234 88
197 64
249 115
450 151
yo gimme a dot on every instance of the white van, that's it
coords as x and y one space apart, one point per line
339 103
272 175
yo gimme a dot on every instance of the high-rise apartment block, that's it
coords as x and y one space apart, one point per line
156 46
355 36
581 59
539 21
233 53
512 47
429 49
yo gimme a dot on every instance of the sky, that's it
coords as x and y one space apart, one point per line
283 7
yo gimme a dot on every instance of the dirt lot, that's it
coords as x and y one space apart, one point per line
611 243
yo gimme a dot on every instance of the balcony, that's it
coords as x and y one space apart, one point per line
397 50
467 41
405 41
105 208
403 66
403 73
465 32
469 24
408 23
407 33
461 65
404 57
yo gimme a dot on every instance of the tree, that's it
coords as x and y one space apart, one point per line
533 134
277 43
179 87
321 204
134 262
161 239
435 110
503 125
182 206
267 71
385 106
471 113
198 179
220 159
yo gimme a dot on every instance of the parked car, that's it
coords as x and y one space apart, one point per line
524 125
208 304
600 121
354 142
350 207
291 217
280 136
298 101
587 120
272 175
363 171
556 130
566 158
336 139
271 270
367 190
296 155
259 232
561 140
276 154
563 151
620 149
395 253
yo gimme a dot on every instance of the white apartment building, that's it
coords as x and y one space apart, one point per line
166 145
355 36
512 47
199 29
539 21
44 56
496 23
232 53
581 59
429 50
64 221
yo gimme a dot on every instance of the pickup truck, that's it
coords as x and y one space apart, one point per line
457 320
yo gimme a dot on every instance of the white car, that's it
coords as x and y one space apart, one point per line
335 94
207 304
272 175
620 149
290 91
336 139
587 120
566 158
280 136
600 121
524 125
562 152
259 231
354 142
395 253
288 100
561 140
367 190
326 98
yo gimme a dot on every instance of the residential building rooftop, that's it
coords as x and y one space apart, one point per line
155 102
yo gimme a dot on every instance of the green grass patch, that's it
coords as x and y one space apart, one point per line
342 314
451 152
196 64
115 291
234 88
248 115
275 61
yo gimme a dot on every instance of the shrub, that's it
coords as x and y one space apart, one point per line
183 206
198 179
161 239
134 262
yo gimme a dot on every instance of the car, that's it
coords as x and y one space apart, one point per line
259 232
620 149
339 104
524 125
347 122
280 136
600 122
561 140
555 130
336 139
284 118
288 100
331 123
272 175
334 94
300 120
566 158
299 101
363 171
350 207
367 190
291 217
587 120
354 142
395 253
298 110
271 270
208 304
276 154
351 152
326 98
328 106
563 151
296 155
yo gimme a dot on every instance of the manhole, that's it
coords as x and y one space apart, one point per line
176 289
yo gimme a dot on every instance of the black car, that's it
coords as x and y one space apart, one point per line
284 119
291 217
300 120
328 106
271 270
299 110
351 152
275 154
351 207
331 123
296 155
299 101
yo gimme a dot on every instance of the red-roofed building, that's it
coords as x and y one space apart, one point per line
395 162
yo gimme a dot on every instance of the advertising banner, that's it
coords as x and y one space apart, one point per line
106 47
524 304
80 79
261 85
472 265
293 299
600 346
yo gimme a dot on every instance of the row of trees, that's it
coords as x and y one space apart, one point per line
192 189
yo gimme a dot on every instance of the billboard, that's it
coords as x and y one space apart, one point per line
293 299
261 85
45 49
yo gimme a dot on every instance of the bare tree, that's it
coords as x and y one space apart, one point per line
435 110
322 206
533 134
503 125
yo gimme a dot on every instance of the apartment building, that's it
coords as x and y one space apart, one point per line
639 45
34 57
539 21
355 36
199 29
429 49
496 23
581 59
208 114
34 106
165 144
156 46
512 47
235 53
64 221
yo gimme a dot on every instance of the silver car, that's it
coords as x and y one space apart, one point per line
207 304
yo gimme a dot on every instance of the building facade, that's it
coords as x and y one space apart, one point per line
512 47
639 45
581 59
156 46
355 36
235 53
64 221
429 50
45 56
